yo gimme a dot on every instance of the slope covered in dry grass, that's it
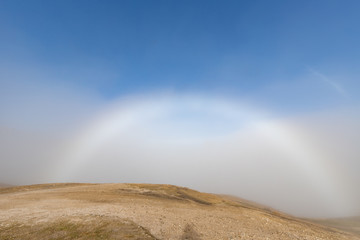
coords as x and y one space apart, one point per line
5 185
350 224
143 211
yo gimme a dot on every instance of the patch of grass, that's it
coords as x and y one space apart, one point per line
190 233
350 224
177 193
40 187
95 228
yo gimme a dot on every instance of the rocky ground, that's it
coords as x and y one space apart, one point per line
143 211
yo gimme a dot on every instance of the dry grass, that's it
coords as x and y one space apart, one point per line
190 233
24 188
82 228
143 211
351 224
177 193
4 185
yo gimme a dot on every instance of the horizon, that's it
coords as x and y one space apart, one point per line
256 99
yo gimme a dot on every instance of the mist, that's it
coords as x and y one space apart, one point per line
303 165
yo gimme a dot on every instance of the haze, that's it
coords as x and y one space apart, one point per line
256 99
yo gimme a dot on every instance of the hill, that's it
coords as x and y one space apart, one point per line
143 211
4 185
350 224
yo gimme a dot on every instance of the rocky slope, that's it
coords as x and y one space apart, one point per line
143 211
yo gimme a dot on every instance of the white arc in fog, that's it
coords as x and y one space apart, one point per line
211 136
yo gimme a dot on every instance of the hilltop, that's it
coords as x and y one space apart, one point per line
5 185
349 224
143 211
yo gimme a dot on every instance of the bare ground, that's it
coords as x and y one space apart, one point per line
143 211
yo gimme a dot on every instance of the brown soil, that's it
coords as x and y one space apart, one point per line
143 211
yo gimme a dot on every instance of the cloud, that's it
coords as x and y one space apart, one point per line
330 82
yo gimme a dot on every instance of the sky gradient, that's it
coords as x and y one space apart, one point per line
259 99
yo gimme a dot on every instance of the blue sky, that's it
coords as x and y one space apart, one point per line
241 48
